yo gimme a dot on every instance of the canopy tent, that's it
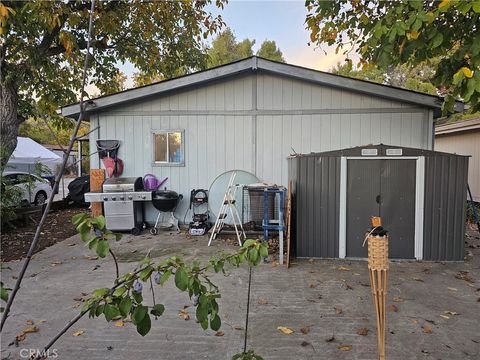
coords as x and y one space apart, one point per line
28 153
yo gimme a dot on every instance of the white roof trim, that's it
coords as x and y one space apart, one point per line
253 64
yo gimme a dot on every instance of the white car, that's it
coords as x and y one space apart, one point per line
35 190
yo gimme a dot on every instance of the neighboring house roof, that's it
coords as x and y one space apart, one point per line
467 125
254 64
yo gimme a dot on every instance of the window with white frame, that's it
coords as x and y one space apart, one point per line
168 147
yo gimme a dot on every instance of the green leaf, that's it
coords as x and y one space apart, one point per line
125 306
249 242
3 293
204 324
458 77
118 236
139 313
437 40
144 326
99 310
119 291
165 277
110 311
201 313
102 248
215 323
99 221
77 219
181 278
157 310
145 274
100 293
92 243
137 297
253 255
264 250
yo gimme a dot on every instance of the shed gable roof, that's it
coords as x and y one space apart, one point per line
252 65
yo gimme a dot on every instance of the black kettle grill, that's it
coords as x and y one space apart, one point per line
165 201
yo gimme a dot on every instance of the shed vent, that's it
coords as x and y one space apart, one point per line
369 152
394 152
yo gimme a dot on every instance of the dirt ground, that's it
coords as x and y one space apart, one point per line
15 242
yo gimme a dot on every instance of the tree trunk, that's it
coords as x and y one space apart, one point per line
9 122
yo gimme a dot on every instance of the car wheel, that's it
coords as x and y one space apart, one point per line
40 198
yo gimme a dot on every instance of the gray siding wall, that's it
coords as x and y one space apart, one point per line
316 194
445 200
251 122
313 118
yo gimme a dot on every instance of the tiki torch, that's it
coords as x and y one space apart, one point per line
378 268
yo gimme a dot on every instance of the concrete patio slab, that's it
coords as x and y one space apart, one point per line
329 299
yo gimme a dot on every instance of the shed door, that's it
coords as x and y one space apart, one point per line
383 188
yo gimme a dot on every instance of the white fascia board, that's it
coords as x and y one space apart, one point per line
163 86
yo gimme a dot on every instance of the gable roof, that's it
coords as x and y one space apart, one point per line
257 64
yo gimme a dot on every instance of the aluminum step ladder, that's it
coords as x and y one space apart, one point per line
228 204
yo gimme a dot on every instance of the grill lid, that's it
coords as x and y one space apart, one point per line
123 184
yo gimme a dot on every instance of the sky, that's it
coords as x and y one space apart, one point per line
279 20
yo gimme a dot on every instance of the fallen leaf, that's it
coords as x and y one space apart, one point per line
450 312
343 268
42 321
304 343
262 301
393 308
29 322
338 310
463 275
418 279
305 330
312 286
285 330
238 327
32 329
414 321
78 333
72 244
20 337
184 314
89 257
33 275
348 287
55 263
362 331
451 288
344 347
397 299
330 339
355 274
445 317
219 333
119 323
427 329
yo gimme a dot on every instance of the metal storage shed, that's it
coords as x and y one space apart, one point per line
420 195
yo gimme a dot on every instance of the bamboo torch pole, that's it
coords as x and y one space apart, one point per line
378 269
